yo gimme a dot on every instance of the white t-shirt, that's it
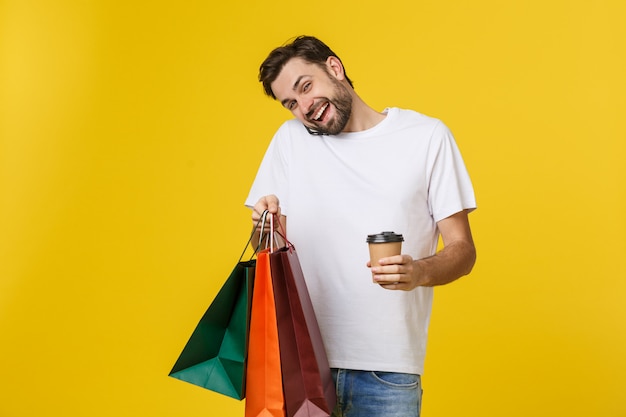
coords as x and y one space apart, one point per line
402 175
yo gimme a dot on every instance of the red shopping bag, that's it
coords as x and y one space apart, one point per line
308 385
264 386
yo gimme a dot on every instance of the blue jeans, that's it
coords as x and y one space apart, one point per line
377 394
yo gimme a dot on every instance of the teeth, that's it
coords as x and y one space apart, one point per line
320 111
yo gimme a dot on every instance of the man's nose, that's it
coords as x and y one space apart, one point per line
306 104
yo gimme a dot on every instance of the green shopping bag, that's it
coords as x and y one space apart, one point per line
215 355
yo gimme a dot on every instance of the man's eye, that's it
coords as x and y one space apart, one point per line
306 86
291 105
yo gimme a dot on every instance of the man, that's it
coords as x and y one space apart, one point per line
341 171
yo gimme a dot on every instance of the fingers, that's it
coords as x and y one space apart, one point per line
394 273
396 286
395 260
269 203
273 205
389 279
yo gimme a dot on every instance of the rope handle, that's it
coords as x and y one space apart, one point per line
274 233
268 237
261 222
280 231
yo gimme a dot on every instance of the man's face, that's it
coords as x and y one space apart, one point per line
314 95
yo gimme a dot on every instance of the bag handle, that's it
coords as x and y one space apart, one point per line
261 222
280 231
274 233
268 237
271 236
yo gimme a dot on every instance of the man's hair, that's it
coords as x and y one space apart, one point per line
308 48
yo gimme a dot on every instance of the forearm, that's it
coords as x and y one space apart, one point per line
454 261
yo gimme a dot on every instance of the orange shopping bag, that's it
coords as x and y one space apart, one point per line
264 389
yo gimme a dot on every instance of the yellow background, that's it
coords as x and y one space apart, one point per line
131 131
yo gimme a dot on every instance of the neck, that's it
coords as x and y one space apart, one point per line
363 117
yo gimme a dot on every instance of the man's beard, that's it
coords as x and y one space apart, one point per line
342 102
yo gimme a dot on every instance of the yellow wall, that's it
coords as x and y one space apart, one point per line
130 133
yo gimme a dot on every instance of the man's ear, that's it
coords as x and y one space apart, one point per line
335 68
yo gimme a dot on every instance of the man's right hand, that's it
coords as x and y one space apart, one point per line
271 204
268 202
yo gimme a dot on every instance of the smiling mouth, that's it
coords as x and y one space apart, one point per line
320 112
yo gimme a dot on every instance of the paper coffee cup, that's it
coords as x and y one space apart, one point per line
384 244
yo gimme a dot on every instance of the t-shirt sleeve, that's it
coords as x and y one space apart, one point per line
450 188
271 178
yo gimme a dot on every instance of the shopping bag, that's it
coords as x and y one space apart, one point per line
308 385
264 388
215 355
